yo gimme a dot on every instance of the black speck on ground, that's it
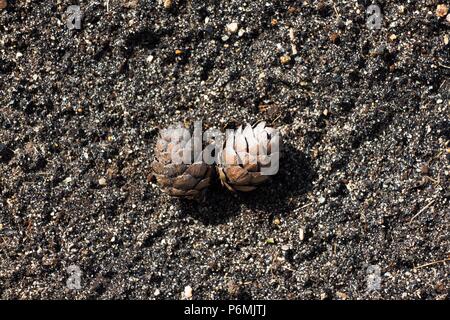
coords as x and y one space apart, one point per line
363 185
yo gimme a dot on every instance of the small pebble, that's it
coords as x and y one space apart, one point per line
102 182
285 247
285 59
322 200
67 180
301 234
280 48
441 10
392 37
167 4
294 49
232 27
3 4
157 292
188 292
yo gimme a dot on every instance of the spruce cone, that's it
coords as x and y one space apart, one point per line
247 152
175 170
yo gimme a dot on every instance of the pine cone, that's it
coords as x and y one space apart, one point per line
180 177
245 156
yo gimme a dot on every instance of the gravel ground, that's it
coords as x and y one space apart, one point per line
363 184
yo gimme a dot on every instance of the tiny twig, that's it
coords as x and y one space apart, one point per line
336 10
289 269
443 65
432 263
433 180
422 210
305 206
276 119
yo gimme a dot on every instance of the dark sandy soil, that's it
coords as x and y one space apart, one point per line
364 180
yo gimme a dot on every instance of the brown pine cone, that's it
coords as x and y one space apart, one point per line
187 178
247 153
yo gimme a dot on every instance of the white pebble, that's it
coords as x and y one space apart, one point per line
67 180
188 292
232 27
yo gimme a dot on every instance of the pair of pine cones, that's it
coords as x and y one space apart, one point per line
246 159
